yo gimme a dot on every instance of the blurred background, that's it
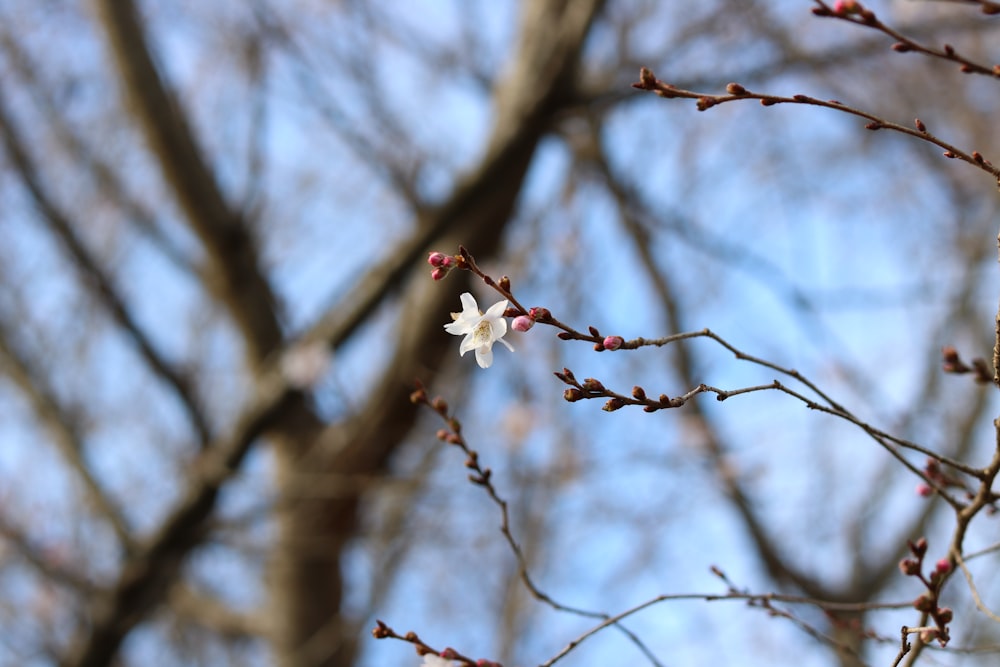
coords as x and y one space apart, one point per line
215 303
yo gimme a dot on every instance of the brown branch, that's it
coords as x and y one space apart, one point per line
96 279
649 82
54 572
63 427
237 278
543 72
109 183
208 611
155 565
860 15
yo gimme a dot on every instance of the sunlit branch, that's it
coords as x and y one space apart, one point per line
980 605
860 15
482 477
648 81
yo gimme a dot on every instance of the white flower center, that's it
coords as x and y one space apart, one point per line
483 333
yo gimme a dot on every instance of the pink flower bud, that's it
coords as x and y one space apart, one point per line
843 7
522 323
439 273
437 259
943 566
613 342
924 490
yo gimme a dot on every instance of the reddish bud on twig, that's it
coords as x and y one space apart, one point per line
646 79
540 314
845 7
612 342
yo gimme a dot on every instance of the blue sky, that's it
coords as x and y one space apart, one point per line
791 231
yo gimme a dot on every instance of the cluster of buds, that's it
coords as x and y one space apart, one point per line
928 601
442 264
951 362
431 658
524 323
846 8
934 473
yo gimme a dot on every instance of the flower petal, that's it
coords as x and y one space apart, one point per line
499 327
469 303
484 356
468 343
496 310
458 328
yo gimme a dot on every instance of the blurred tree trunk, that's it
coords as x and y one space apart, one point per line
307 586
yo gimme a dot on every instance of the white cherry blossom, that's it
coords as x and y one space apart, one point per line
480 329
431 660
